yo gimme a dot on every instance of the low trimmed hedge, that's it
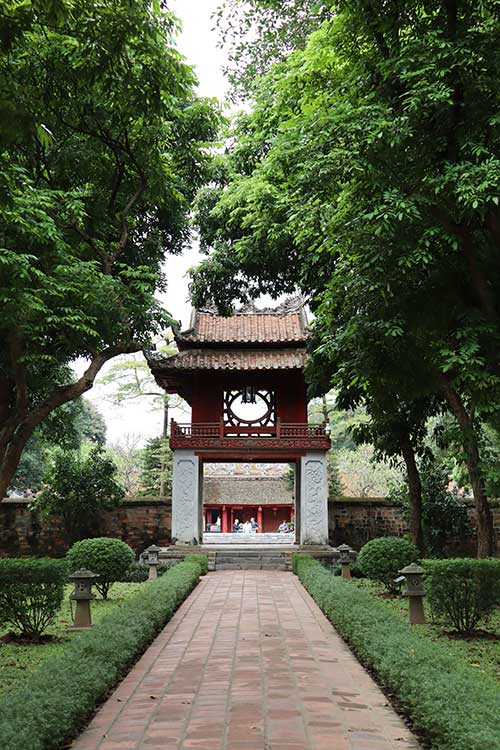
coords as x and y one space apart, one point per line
45 713
31 593
199 559
457 708
138 572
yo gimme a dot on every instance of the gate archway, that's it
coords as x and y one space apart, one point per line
243 377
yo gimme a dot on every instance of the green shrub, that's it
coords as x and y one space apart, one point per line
166 565
78 486
31 593
356 569
138 572
381 559
201 560
456 707
109 558
47 712
301 560
463 591
444 513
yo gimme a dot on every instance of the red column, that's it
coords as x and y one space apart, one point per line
224 519
259 519
232 519
292 513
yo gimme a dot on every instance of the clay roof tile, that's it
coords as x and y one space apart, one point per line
246 328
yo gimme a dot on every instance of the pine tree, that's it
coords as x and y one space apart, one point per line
156 468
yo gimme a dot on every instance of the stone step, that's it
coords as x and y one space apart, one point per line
242 557
265 554
242 565
250 539
242 561
232 559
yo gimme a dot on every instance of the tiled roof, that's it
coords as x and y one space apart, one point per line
246 328
233 359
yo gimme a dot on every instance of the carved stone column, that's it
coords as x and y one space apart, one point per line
187 511
313 498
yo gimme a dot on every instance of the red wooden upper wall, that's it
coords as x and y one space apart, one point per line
289 387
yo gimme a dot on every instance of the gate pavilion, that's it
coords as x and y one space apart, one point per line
243 377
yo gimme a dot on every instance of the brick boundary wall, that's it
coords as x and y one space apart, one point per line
138 521
356 520
141 521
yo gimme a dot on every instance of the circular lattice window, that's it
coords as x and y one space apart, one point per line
249 406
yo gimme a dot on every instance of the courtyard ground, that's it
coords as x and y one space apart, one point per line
480 650
19 661
248 662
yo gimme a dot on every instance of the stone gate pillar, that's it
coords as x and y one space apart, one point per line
187 518
313 498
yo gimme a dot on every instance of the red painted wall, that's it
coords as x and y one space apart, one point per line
289 386
291 398
207 398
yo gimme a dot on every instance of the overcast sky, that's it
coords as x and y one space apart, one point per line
198 43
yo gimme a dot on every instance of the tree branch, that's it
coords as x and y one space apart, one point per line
466 242
19 371
493 224
117 180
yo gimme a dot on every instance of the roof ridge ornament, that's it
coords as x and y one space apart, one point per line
292 304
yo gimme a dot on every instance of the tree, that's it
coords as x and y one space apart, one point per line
258 33
156 468
126 455
101 150
131 378
79 486
69 427
335 484
370 162
90 424
444 513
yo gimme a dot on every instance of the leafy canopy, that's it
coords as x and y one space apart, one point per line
77 487
367 176
102 146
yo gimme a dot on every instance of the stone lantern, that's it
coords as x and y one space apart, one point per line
414 575
346 555
152 560
83 581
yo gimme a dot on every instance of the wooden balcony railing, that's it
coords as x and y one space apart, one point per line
221 435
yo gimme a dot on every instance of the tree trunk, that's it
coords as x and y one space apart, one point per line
20 423
486 543
326 416
478 279
164 438
10 459
414 493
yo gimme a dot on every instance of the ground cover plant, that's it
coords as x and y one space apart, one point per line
109 558
45 713
481 649
449 701
21 658
31 593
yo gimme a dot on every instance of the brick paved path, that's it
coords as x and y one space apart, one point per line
247 663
